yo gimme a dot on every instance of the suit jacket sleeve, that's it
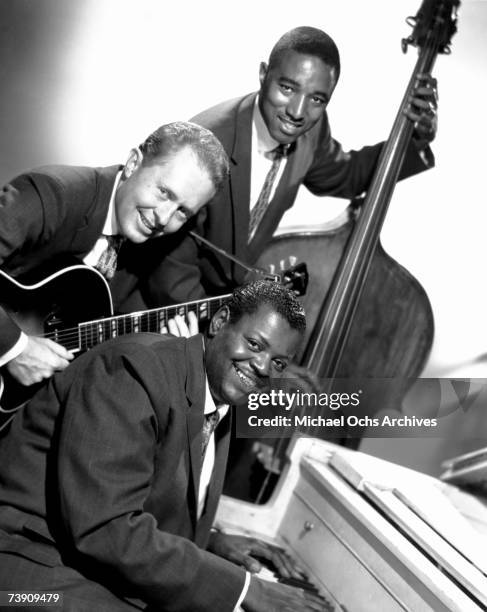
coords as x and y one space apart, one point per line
335 172
21 223
106 456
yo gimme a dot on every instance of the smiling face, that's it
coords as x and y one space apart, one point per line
158 196
294 94
241 357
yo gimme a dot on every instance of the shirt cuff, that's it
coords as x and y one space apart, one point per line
15 351
243 594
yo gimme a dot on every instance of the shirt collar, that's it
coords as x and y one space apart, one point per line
265 142
111 226
210 405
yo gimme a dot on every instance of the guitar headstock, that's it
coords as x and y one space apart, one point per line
295 277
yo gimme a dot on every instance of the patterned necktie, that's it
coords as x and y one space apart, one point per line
107 263
258 211
209 424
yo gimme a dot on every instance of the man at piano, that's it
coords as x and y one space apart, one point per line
111 475
88 212
277 139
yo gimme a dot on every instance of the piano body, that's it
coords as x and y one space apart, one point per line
372 535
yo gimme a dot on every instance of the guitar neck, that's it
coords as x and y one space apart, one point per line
90 333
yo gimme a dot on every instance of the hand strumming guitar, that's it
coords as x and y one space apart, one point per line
42 357
39 360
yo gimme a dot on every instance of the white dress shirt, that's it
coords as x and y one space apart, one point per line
207 469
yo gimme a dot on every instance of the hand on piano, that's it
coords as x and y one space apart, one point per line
243 551
264 596
289 588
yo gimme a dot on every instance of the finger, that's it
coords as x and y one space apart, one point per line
52 362
278 558
246 561
172 327
59 350
423 105
304 600
428 78
425 120
192 322
284 564
182 327
428 88
61 365
164 330
316 603
291 566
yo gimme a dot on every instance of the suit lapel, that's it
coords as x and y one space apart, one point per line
240 173
92 223
195 382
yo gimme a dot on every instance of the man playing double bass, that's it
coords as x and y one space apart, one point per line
277 139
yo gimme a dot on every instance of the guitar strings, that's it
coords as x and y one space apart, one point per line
86 335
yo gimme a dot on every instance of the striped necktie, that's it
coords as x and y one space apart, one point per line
107 263
209 424
258 211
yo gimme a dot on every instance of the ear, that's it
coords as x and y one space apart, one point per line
218 321
134 161
262 72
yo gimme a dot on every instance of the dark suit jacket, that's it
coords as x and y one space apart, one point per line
57 211
101 469
316 160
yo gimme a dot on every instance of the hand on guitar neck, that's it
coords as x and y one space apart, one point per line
183 326
39 360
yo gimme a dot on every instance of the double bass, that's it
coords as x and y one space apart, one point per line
368 317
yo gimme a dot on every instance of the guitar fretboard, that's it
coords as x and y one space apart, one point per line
88 334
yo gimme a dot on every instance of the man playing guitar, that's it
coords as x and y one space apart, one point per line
90 213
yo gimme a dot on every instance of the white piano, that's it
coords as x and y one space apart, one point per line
373 535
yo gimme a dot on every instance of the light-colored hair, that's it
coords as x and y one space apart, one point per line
172 137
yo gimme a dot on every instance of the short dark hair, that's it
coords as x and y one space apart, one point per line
309 41
172 137
247 299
